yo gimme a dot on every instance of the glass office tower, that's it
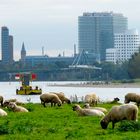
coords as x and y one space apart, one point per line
7 46
96 30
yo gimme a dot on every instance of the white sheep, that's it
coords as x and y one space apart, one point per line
132 97
16 108
119 113
92 99
62 97
97 108
6 102
50 98
2 112
87 112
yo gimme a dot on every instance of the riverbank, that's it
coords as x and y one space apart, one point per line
99 85
61 123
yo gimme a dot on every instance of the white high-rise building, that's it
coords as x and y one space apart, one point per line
125 45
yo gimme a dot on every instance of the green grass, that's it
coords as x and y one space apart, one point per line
60 123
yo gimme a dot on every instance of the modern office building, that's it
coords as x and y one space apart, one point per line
96 30
125 45
7 46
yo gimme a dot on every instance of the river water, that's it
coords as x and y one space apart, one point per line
8 91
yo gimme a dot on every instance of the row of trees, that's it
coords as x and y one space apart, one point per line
109 71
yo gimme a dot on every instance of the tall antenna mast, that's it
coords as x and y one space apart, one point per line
43 51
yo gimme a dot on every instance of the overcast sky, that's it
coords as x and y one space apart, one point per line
53 23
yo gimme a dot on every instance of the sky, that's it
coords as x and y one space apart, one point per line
53 24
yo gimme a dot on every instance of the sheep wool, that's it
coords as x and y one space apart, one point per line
50 98
2 112
63 98
87 112
92 99
132 97
104 110
119 113
16 108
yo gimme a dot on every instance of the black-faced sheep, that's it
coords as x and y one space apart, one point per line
1 100
97 108
119 113
2 112
50 98
92 99
63 98
16 108
132 97
87 112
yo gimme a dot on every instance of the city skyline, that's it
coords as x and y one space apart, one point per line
54 24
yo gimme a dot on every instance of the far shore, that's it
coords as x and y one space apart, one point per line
109 85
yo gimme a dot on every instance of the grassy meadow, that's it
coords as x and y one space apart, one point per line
60 123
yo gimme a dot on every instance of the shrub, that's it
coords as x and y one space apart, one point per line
129 126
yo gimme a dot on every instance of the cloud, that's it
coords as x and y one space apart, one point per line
54 23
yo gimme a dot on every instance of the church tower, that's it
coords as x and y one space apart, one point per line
23 52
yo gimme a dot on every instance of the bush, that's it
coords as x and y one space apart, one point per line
129 126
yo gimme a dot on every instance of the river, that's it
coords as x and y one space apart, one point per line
8 91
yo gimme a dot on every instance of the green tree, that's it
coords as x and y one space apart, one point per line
134 66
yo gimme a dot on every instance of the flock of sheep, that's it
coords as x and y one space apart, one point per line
116 113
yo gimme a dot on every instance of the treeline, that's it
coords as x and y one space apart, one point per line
59 71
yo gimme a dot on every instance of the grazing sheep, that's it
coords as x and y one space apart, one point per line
16 108
2 112
1 100
50 98
119 113
12 100
132 97
97 108
6 102
87 112
92 99
63 98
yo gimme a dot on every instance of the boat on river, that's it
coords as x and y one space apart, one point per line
26 88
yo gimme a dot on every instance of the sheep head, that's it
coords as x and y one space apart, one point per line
116 99
59 104
76 107
104 123
11 105
68 101
86 105
6 103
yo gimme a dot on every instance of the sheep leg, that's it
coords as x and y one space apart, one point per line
44 104
2 103
113 125
51 104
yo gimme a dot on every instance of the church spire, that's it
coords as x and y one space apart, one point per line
23 52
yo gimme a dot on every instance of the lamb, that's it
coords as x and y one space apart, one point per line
16 108
97 108
119 113
132 97
92 99
87 112
63 98
50 98
2 112
1 100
